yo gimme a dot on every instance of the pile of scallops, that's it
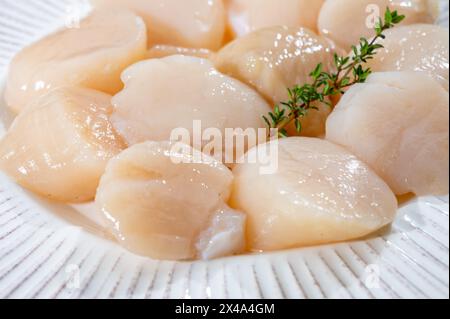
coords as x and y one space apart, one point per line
96 104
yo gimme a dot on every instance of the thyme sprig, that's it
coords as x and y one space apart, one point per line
349 71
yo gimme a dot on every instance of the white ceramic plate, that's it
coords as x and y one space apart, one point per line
49 251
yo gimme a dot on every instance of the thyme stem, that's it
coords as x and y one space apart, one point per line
349 71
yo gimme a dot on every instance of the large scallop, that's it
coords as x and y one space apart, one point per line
346 21
60 145
92 55
419 47
319 193
186 23
161 202
163 97
398 123
274 59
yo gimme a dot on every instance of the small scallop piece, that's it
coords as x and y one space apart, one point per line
162 96
246 16
60 145
274 59
168 201
92 55
346 21
419 47
186 23
320 193
162 51
398 123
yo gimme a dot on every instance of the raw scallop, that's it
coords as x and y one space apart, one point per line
161 202
59 146
398 123
185 23
246 16
421 48
346 21
320 193
274 59
164 95
92 56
